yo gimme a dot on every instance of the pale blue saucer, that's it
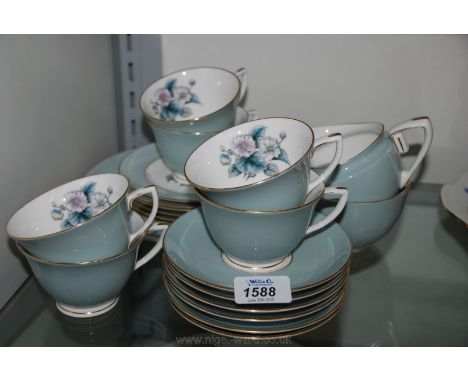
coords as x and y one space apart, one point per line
262 327
134 168
109 165
318 258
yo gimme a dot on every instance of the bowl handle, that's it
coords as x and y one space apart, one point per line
343 198
135 194
157 247
332 138
241 73
402 146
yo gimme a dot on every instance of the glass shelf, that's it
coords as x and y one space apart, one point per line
409 289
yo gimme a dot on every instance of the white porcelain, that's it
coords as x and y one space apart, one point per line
454 198
259 165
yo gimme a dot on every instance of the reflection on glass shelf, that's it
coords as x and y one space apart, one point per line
410 289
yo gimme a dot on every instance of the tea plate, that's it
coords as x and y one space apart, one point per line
454 198
249 317
201 291
109 165
256 327
316 260
185 293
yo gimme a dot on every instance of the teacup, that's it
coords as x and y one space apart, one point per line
202 99
176 146
83 289
367 222
371 167
263 241
261 165
83 220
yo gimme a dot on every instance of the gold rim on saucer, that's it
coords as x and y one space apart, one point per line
184 314
314 307
183 280
216 286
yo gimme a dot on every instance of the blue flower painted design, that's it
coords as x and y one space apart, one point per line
253 153
172 101
80 205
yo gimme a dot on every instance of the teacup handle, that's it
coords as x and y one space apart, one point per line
135 194
332 138
402 146
252 115
343 198
241 73
157 247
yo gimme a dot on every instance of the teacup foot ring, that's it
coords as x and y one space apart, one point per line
259 267
87 311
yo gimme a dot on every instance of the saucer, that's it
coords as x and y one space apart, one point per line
454 198
218 296
109 165
259 328
134 168
320 257
293 308
255 337
246 316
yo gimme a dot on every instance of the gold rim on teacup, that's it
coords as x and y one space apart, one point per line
91 219
135 243
269 212
377 138
197 118
299 161
402 192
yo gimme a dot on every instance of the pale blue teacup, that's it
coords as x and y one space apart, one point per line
202 99
90 288
83 220
367 222
263 241
370 167
262 165
176 146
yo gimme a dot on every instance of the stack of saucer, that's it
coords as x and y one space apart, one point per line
199 284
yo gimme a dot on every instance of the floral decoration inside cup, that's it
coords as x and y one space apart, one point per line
190 94
80 205
67 206
249 153
173 100
252 153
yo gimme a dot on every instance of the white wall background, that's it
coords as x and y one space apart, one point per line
56 122
333 79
